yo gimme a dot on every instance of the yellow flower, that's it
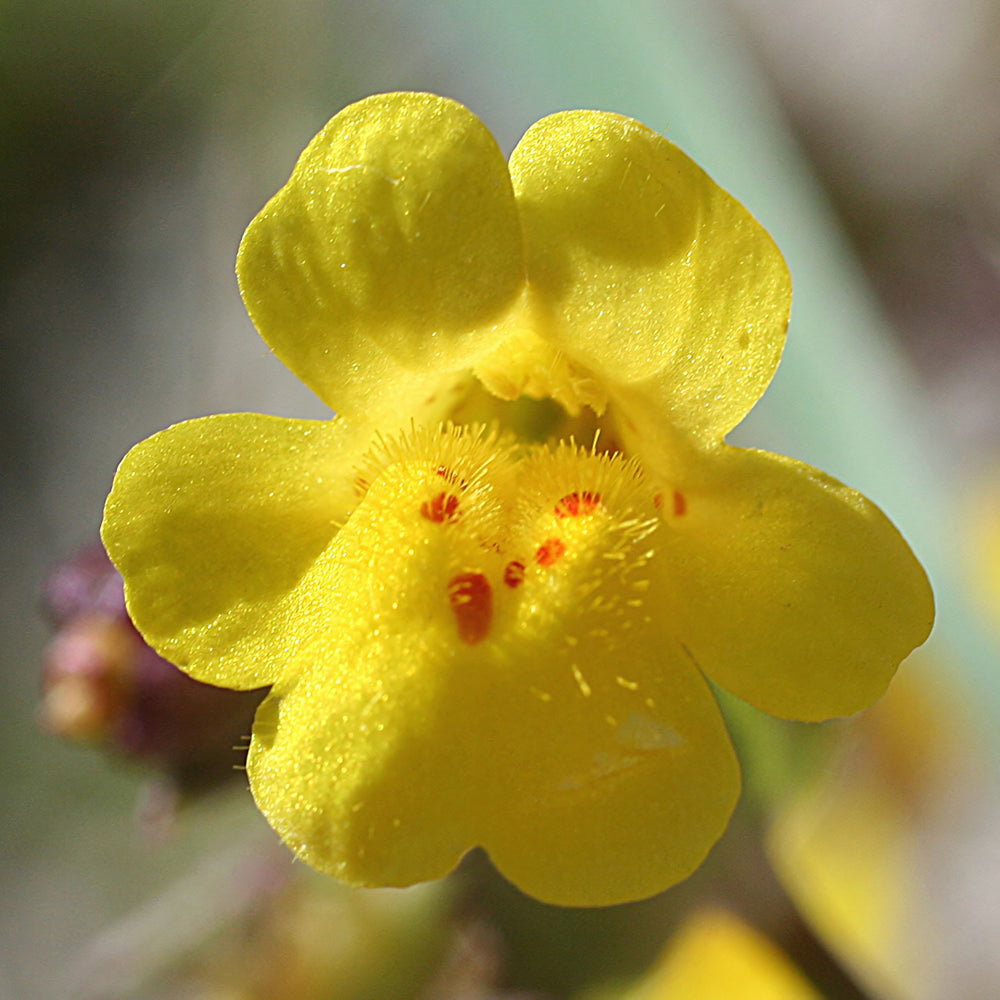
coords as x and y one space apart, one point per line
484 594
715 955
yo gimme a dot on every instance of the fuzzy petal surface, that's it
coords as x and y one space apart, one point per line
212 522
647 272
385 263
789 589
360 760
444 703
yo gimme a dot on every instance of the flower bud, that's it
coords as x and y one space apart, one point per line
102 684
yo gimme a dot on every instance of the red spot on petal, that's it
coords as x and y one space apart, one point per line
658 501
471 599
550 552
443 507
513 574
361 486
680 504
576 503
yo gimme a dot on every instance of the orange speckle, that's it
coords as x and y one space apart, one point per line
574 504
680 504
471 599
360 486
658 501
513 574
443 507
550 552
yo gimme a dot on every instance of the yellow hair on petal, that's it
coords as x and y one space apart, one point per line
552 475
583 519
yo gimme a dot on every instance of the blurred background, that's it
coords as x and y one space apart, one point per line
142 138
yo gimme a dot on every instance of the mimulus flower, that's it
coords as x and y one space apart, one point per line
487 593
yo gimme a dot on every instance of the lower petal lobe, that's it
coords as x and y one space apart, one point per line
615 785
446 700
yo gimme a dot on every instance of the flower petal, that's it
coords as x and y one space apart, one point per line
646 272
600 713
389 257
360 758
358 765
789 589
616 775
213 521
385 766
451 697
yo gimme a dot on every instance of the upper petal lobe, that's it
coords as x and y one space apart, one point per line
646 271
384 264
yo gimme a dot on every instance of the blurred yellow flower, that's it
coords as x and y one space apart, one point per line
478 631
717 956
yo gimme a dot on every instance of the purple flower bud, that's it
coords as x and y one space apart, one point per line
102 683
85 584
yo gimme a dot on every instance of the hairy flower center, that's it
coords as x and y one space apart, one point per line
487 536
